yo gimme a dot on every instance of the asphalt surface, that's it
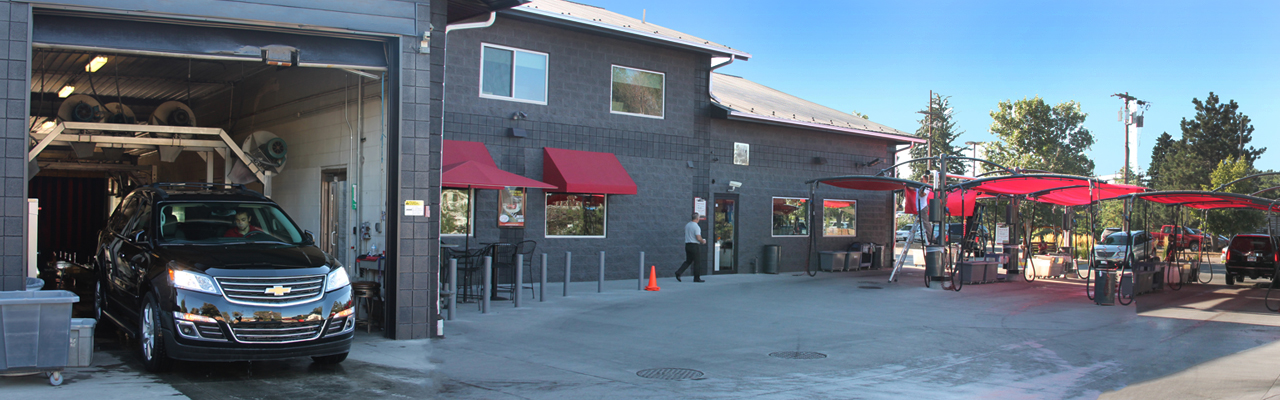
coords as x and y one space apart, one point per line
856 336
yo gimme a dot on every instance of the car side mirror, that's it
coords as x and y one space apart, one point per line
308 237
140 237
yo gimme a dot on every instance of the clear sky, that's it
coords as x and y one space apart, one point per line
882 58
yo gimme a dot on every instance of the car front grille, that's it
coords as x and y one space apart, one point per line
1106 254
276 332
272 291
209 330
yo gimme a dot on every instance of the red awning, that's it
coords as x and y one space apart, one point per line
1082 195
576 171
468 165
1210 200
836 203
877 183
969 199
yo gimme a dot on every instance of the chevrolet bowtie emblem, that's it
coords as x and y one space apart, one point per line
278 290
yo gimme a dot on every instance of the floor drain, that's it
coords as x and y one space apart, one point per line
798 355
670 374
869 287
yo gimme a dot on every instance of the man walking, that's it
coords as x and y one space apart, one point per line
692 239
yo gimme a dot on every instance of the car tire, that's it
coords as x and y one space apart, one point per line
1231 279
150 342
1195 246
330 359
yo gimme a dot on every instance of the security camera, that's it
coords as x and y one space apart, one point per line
734 185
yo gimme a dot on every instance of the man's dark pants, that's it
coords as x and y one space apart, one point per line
690 258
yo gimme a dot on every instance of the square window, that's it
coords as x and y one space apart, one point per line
839 217
513 74
576 215
637 92
456 211
789 214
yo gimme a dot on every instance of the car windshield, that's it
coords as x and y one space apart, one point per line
226 223
1118 239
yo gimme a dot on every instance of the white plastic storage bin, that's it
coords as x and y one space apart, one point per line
81 353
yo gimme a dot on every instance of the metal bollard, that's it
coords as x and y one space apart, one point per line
519 285
568 257
484 291
600 283
542 283
640 280
453 286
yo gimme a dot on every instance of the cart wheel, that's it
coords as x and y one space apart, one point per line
55 378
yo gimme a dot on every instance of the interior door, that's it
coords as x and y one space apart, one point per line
725 234
332 213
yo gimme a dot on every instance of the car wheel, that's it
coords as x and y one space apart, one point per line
1231 280
330 359
150 343
1195 246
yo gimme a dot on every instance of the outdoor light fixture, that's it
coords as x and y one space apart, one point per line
47 125
96 63
66 90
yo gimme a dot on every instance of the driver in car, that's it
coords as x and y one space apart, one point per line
243 227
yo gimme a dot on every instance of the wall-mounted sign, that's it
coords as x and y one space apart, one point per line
1002 234
700 207
511 202
741 154
415 208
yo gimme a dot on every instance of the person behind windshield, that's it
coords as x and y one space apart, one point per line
243 227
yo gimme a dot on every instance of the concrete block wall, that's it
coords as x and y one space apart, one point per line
15 53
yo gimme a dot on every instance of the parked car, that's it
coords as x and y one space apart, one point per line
903 233
1114 249
1184 237
1250 254
212 272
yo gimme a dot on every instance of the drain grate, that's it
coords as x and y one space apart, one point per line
869 287
670 374
798 355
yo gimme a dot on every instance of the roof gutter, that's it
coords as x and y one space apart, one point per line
549 16
711 79
741 116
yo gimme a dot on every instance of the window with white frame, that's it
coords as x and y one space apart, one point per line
456 212
637 92
839 217
576 215
509 73
789 214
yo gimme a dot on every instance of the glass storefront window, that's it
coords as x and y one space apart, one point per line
575 215
789 216
455 212
839 217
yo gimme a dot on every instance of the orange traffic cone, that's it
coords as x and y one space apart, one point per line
653 279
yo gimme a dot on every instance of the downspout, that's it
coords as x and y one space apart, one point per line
711 80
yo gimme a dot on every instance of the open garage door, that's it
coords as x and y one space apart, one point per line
140 101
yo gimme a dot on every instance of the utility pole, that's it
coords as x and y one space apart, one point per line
1127 98
974 154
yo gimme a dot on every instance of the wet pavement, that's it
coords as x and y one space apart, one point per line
836 335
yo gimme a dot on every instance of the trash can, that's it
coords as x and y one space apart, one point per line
35 331
772 258
35 283
852 260
81 351
831 261
1104 288
933 261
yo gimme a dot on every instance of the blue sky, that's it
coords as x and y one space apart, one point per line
882 58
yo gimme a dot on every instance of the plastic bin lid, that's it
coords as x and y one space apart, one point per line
83 323
37 297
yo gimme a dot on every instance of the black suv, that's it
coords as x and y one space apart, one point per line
214 272
1252 255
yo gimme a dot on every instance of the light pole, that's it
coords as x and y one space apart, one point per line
974 154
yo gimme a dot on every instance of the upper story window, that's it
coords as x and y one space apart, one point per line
637 92
513 74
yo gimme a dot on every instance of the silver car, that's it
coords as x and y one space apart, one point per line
1114 249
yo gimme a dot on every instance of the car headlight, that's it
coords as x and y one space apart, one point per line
193 281
337 280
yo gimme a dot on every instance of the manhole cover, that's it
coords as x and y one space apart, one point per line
798 355
869 287
671 374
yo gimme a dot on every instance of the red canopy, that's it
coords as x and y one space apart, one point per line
576 171
468 165
1082 195
1210 200
970 201
877 183
836 203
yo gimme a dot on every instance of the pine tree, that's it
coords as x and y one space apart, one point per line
943 135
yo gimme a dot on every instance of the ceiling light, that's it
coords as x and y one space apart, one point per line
97 62
47 125
66 90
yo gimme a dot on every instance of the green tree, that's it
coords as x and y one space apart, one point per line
1229 221
940 137
1164 145
1216 132
1034 135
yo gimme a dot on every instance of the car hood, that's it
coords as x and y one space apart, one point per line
1111 248
247 257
